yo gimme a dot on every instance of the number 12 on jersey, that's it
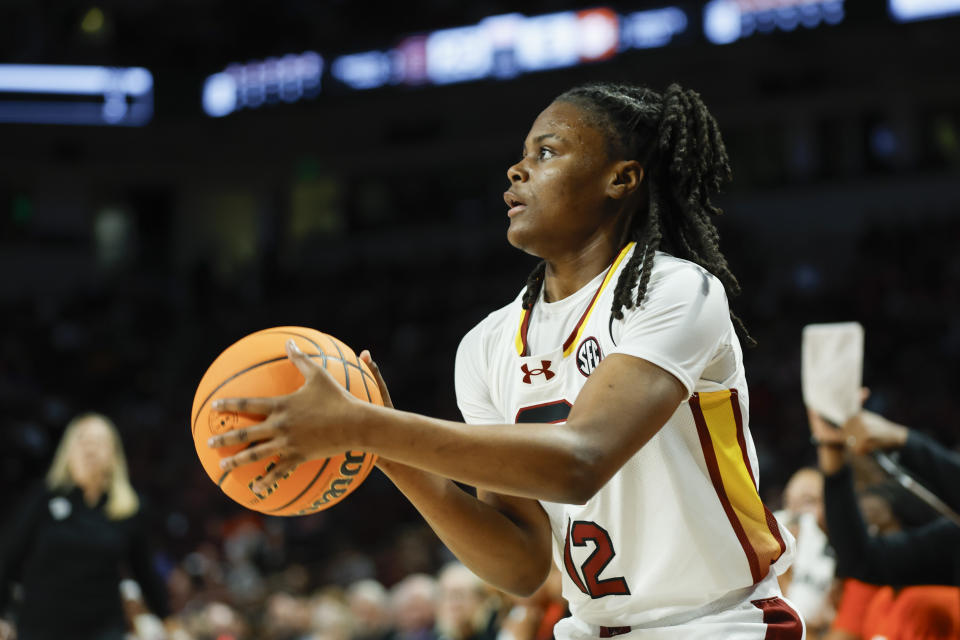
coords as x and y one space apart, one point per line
579 533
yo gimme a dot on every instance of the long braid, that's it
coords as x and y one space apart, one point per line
678 142
534 282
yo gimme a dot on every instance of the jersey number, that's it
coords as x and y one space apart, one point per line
578 534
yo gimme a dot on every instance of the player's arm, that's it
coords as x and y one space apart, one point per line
662 351
504 540
623 404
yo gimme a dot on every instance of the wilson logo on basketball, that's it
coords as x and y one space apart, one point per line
588 356
529 374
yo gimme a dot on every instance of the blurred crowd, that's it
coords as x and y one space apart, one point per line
226 594
134 344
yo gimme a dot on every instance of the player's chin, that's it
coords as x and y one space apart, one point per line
522 236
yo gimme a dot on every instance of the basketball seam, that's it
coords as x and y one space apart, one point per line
307 338
363 380
324 356
346 369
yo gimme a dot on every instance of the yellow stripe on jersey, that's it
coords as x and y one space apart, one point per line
572 341
720 427
518 341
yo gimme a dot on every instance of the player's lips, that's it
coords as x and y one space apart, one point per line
516 204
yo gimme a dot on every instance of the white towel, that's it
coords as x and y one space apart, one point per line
832 369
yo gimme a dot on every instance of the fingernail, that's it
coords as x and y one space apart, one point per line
224 464
211 441
293 345
218 404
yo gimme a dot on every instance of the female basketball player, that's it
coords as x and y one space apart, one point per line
606 405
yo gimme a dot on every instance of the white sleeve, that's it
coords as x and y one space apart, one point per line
471 382
681 323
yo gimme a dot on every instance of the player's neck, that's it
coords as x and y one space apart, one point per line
568 274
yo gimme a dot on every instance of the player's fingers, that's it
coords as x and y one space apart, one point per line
302 361
253 454
259 406
384 393
271 481
269 428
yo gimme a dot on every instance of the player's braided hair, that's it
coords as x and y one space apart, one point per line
678 143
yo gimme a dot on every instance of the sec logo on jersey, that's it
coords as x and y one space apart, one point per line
588 356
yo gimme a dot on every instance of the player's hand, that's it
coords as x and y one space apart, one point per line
315 421
384 394
387 466
868 431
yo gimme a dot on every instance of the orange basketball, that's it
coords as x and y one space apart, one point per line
257 366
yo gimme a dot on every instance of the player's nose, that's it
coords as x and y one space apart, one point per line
517 173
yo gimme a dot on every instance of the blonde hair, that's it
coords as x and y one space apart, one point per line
122 501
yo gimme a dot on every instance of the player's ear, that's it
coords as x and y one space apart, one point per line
625 178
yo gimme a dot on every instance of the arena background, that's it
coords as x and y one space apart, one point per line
131 256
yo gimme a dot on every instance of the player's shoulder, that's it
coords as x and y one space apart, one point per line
676 284
669 270
674 280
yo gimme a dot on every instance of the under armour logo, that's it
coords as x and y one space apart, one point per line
544 369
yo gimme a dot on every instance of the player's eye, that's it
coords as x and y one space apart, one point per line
545 153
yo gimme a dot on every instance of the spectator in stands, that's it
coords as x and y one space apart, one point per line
463 612
370 607
533 618
872 611
808 584
413 605
925 555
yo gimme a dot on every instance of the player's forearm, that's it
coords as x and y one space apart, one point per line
551 462
502 552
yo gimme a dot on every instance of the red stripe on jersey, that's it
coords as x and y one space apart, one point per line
783 623
742 441
706 444
573 334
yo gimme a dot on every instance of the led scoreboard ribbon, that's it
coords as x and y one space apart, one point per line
497 47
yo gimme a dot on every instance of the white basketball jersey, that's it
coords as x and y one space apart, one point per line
681 523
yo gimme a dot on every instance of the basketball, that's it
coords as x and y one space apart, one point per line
257 366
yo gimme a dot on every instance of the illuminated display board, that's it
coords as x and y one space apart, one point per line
506 46
726 21
70 94
502 46
288 79
908 10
